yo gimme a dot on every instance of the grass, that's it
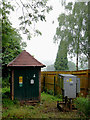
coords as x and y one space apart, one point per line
46 109
83 106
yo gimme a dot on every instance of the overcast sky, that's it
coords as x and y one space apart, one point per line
42 47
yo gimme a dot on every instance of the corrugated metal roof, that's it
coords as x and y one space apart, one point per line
67 75
25 59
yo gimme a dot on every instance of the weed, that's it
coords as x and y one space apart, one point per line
16 102
7 102
45 90
48 110
5 82
50 92
48 97
83 105
31 107
59 96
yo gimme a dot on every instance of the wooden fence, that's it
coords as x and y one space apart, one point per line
49 80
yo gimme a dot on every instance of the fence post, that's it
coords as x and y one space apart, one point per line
54 85
44 83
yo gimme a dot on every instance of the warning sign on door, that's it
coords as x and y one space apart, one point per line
20 81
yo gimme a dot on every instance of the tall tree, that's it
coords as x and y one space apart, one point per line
73 28
61 62
89 35
71 66
50 68
83 63
11 39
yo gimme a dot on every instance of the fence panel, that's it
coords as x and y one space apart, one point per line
49 80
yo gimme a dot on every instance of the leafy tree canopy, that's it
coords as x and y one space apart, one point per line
73 28
61 62
11 39
32 12
71 66
50 68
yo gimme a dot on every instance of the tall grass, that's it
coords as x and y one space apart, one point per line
49 98
83 106
47 108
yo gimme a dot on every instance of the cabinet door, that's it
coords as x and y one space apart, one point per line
26 84
32 84
19 84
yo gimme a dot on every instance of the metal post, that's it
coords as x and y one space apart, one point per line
70 100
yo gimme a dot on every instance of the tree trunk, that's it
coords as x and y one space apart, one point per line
88 35
77 51
77 62
89 63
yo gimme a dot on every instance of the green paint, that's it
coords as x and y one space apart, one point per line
26 90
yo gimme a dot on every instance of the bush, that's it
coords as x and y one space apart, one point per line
50 92
7 102
45 90
6 92
5 82
6 89
6 98
83 106
59 96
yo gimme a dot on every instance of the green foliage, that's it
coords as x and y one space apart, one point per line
5 82
45 90
31 107
11 39
45 109
59 96
49 97
83 106
51 92
6 102
5 89
61 62
6 92
71 66
50 68
73 28
32 12
83 63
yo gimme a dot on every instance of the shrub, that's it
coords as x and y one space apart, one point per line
50 92
59 96
6 92
5 82
7 102
45 90
31 107
83 105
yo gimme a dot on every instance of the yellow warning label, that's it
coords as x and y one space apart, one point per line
67 80
70 79
20 79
